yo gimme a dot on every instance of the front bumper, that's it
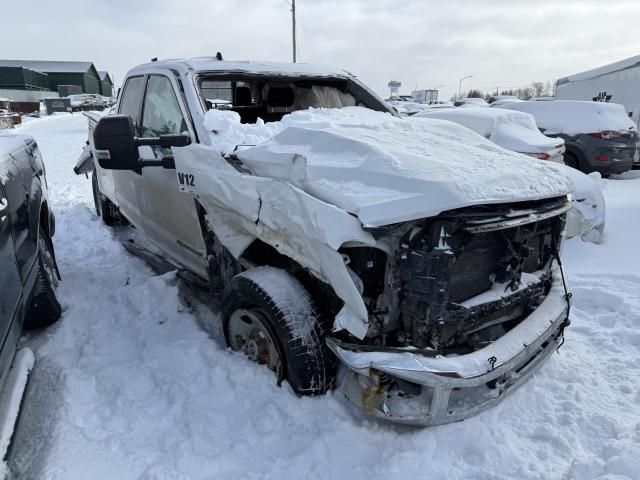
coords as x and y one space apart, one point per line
416 389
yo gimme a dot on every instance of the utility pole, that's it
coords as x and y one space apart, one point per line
293 27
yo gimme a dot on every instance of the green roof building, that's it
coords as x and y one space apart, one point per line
83 74
22 78
106 84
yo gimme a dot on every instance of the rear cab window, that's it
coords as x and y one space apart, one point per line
131 97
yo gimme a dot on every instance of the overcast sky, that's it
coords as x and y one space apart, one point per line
506 43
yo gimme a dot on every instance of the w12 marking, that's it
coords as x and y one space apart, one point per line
186 182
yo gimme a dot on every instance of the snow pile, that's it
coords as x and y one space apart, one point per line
572 117
128 385
588 205
512 130
383 168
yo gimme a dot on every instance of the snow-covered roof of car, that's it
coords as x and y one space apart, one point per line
473 101
605 69
574 117
487 118
211 64
510 129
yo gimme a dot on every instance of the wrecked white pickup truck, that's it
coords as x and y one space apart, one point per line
413 265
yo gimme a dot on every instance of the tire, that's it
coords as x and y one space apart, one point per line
570 160
44 308
105 209
273 302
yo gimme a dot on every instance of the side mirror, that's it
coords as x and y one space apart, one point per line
115 144
174 140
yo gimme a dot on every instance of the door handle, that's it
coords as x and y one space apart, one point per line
3 206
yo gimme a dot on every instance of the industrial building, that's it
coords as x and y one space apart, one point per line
28 74
106 84
22 78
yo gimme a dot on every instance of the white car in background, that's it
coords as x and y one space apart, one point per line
501 98
468 101
503 101
510 129
520 133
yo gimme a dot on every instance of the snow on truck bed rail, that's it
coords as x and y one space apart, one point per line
383 168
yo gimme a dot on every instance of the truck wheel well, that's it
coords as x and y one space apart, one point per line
224 267
327 302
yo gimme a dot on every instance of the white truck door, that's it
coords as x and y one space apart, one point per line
170 218
127 184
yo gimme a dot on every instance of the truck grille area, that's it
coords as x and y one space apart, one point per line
478 263
446 264
472 269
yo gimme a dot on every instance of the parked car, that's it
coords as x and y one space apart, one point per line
501 102
85 101
408 108
501 98
477 102
517 131
29 274
599 136
350 247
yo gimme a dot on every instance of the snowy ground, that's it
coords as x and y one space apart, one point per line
134 384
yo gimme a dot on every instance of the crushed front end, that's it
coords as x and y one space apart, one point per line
463 308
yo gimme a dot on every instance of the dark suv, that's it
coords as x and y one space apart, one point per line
599 137
28 271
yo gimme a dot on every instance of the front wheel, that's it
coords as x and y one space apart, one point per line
269 316
44 308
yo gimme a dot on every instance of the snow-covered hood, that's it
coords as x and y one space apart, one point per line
386 169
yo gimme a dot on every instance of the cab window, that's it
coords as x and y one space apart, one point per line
130 100
161 114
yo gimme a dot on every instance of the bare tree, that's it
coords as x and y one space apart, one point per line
537 89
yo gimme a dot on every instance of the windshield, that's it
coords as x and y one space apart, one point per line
270 98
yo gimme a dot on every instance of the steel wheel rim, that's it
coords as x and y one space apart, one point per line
48 264
249 334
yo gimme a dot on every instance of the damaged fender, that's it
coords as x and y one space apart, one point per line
241 207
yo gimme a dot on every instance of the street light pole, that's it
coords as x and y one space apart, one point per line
293 27
460 85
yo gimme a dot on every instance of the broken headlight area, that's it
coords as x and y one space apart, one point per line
463 308
456 282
